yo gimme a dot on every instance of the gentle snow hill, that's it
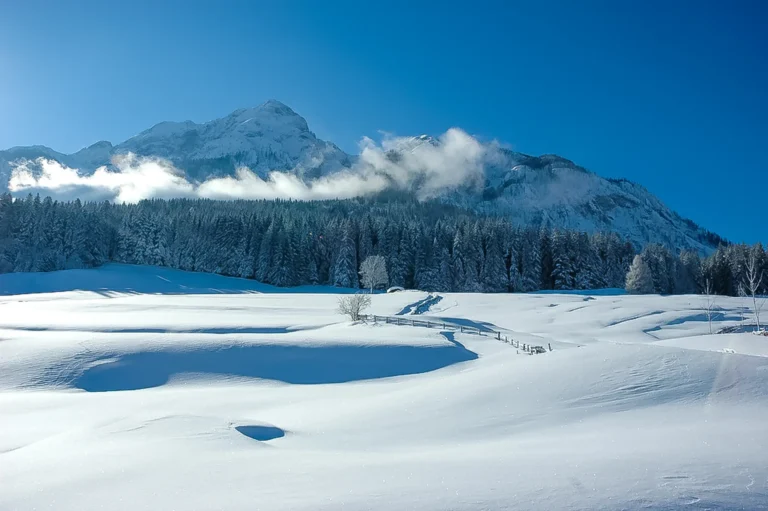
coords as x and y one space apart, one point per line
274 401
126 278
529 190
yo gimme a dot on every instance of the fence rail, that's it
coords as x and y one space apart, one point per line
397 320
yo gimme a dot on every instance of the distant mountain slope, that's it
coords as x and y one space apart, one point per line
547 190
551 190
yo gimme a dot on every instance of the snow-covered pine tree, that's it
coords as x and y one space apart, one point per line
688 276
344 273
493 276
562 261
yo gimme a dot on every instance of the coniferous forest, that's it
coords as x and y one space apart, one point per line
427 245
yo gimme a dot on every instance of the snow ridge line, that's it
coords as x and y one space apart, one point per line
499 336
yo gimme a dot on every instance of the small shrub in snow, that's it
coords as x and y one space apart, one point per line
354 305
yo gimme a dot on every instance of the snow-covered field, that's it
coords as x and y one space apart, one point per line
156 389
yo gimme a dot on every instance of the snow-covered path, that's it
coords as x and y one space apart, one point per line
125 401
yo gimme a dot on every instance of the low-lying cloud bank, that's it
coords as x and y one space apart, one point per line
428 167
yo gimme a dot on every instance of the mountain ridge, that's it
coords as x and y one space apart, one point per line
547 190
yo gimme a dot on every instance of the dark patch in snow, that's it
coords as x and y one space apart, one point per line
261 433
420 307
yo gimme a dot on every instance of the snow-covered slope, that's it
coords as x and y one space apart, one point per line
551 190
546 190
274 401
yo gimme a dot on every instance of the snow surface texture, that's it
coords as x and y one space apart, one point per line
269 152
265 400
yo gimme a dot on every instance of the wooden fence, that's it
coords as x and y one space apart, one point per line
401 321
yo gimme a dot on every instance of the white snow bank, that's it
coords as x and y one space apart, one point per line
274 401
743 343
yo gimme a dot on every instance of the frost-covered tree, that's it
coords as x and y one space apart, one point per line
710 302
753 279
373 272
639 278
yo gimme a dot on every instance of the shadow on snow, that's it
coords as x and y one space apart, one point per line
289 364
114 279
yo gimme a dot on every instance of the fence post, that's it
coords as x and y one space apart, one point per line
461 329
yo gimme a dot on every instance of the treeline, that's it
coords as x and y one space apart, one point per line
426 245
727 271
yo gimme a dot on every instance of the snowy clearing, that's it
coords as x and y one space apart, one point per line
146 388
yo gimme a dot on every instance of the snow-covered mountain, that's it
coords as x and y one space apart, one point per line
547 190
551 190
268 137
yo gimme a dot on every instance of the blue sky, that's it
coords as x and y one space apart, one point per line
668 94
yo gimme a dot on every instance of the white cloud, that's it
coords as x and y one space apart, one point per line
133 180
281 185
429 166
425 166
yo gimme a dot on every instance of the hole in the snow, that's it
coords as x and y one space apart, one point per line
261 433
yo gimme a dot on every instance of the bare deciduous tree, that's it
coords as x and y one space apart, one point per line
354 305
754 279
373 272
742 294
710 298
